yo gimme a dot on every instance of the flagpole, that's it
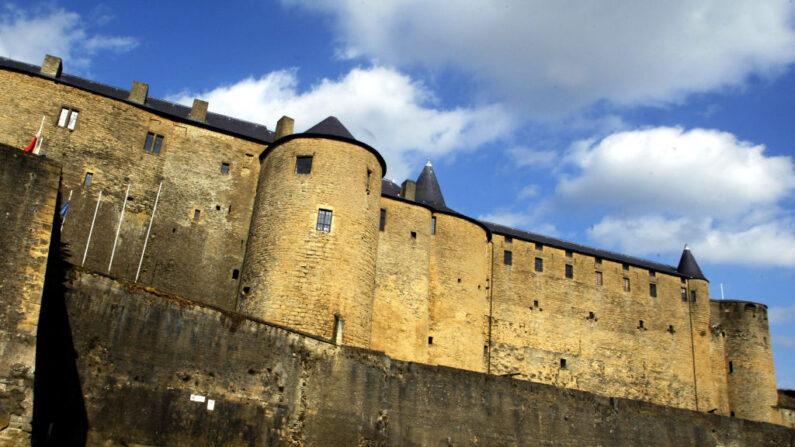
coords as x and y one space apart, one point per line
147 231
88 242
63 221
37 149
118 229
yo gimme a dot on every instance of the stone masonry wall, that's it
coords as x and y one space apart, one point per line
192 255
297 275
28 197
158 370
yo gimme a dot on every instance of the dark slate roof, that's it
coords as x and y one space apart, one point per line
389 187
330 126
428 190
214 121
688 265
595 252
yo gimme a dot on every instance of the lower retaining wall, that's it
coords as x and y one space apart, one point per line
122 365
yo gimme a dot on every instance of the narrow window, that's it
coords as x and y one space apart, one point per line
382 223
539 265
89 177
640 325
539 246
303 165
150 137
367 185
414 235
598 278
731 367
693 296
569 253
563 363
508 239
683 280
430 340
224 168
671 328
535 303
626 284
62 118
653 290
433 225
652 273
158 144
684 294
591 316
598 260
196 214
324 220
235 273
569 271
72 120
625 266
507 257
339 323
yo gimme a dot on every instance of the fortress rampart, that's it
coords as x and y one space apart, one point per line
298 230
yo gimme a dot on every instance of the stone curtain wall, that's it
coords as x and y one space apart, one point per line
28 197
192 257
150 364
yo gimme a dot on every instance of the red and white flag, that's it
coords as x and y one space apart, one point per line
35 144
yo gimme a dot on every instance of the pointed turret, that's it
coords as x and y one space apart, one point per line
389 187
428 190
688 265
330 126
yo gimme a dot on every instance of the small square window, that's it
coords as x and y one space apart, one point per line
196 214
683 280
569 253
539 265
563 363
72 120
684 294
508 257
382 222
626 284
539 246
224 168
430 340
158 144
414 235
235 273
63 117
89 177
693 296
598 260
625 266
324 220
653 290
433 225
68 118
652 273
153 143
598 278
303 165
569 271
508 239
535 303
640 325
150 137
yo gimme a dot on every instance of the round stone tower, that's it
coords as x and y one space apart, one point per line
750 376
311 255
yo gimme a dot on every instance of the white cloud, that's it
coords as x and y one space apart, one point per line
378 105
781 315
28 35
699 172
529 191
525 156
557 56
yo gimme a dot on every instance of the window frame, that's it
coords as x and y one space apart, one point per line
324 217
627 284
68 120
507 257
569 271
599 278
153 144
653 290
382 220
303 168
539 265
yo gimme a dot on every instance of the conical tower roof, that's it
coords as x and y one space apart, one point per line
330 126
389 187
428 190
688 265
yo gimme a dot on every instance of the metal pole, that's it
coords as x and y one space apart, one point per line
88 242
63 221
147 232
118 229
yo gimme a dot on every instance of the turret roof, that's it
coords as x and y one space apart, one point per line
389 187
428 190
330 126
688 265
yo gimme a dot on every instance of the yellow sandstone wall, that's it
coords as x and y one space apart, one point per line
301 277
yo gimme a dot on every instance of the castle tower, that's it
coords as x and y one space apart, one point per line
311 256
695 289
750 376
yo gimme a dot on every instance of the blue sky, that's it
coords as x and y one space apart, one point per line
629 126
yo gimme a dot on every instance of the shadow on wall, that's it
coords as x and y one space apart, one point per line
59 413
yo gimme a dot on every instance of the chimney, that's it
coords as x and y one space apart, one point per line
284 127
138 92
199 110
408 189
52 66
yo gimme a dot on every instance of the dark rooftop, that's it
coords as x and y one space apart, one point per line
688 265
389 187
428 190
222 123
330 126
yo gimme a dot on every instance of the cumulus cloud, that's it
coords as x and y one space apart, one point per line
699 172
27 35
554 57
658 188
379 105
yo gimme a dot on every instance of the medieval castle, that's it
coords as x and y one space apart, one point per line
154 251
